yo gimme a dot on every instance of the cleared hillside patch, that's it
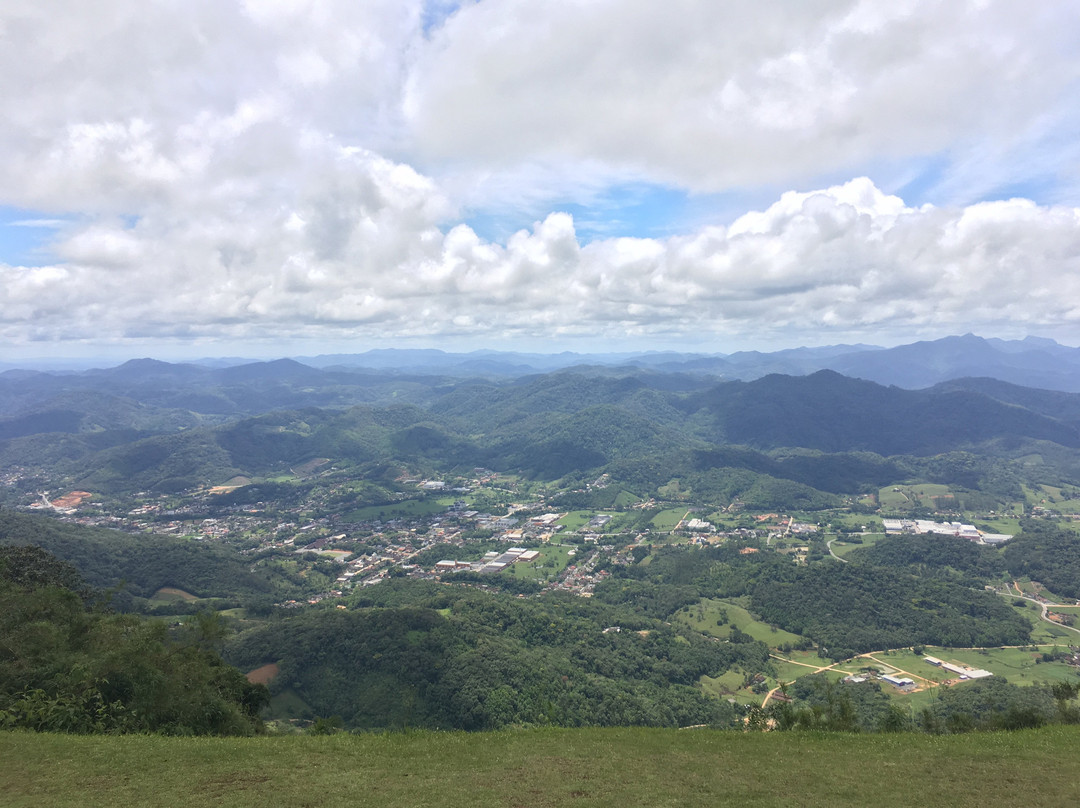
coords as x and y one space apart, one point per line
704 617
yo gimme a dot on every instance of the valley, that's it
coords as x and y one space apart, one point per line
607 545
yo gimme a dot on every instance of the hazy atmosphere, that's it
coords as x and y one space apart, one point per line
301 176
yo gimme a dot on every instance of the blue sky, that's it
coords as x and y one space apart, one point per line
230 176
25 236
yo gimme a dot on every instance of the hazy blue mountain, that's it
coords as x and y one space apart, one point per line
1031 362
834 413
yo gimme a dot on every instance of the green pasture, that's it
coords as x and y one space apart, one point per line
1021 666
584 768
1043 632
1033 588
1001 524
854 521
667 519
906 497
621 522
842 547
575 520
170 594
729 685
1052 496
703 616
798 664
406 509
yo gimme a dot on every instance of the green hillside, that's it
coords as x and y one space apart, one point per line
582 768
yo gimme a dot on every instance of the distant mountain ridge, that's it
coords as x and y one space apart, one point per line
1031 362
547 425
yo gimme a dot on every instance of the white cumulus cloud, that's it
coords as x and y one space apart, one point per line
310 169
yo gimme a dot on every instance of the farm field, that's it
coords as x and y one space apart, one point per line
583 768
170 594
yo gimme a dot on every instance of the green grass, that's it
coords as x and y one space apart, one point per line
912 496
1018 665
409 508
849 520
1043 632
1056 498
842 547
584 768
575 520
999 525
555 554
703 616
668 519
170 594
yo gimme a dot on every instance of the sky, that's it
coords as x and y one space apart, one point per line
187 178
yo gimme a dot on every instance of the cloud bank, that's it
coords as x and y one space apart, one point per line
302 171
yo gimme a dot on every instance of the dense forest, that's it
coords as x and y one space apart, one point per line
468 659
137 566
68 664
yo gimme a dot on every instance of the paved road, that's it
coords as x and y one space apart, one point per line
1044 606
834 555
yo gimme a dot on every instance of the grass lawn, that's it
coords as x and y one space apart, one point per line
586 768
892 500
729 685
556 554
802 663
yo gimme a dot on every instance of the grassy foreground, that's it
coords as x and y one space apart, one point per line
619 767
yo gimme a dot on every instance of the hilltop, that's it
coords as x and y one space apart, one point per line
582 768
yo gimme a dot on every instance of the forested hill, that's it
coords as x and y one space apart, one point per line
137 565
547 426
833 413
